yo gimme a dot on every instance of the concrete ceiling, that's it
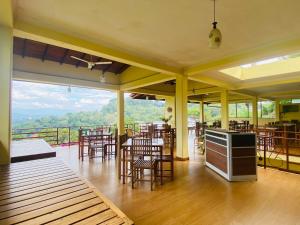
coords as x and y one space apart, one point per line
171 32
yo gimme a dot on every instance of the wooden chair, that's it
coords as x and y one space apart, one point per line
97 145
168 159
110 147
143 158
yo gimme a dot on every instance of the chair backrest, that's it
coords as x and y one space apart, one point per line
141 147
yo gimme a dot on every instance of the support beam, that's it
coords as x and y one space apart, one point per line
62 60
45 53
120 112
251 55
181 118
224 110
146 81
203 91
6 13
201 105
254 112
152 92
211 81
6 49
29 31
62 80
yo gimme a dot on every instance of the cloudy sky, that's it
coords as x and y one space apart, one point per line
28 96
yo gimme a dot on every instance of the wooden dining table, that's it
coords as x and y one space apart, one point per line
125 148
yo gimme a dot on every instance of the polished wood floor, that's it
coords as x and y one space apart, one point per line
47 192
197 195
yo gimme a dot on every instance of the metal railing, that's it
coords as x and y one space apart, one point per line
62 135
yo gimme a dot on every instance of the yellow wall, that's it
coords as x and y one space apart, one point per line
290 116
6 44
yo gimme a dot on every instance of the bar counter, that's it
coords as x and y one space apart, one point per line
231 154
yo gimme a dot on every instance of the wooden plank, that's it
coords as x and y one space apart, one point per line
38 189
34 171
42 198
26 182
10 169
39 205
37 184
114 221
40 193
83 214
98 218
54 212
31 175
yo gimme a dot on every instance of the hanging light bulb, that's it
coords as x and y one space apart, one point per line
102 78
69 89
215 36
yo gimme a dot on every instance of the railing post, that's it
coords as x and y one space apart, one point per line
57 136
69 136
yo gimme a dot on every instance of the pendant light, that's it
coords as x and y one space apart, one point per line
69 89
215 36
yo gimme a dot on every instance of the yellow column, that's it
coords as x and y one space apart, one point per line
182 151
120 111
254 112
201 104
224 110
170 104
277 110
6 46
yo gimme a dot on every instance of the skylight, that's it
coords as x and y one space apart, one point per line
267 67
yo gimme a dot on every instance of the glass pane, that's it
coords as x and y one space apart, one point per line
242 110
232 110
296 100
268 109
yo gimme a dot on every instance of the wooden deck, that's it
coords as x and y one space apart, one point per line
25 150
47 192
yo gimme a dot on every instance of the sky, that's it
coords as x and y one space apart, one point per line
47 97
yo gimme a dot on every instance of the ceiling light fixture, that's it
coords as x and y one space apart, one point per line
215 36
102 78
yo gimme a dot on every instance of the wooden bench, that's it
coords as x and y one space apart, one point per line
46 191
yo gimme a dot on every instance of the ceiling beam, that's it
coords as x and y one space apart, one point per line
270 82
281 93
122 69
6 13
146 81
203 91
211 81
26 30
252 55
62 80
152 92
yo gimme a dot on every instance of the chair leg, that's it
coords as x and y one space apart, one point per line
151 178
172 170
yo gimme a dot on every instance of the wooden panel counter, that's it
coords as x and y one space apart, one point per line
231 154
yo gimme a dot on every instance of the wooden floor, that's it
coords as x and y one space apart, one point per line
197 195
47 192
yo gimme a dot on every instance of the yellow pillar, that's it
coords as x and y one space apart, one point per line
182 151
201 104
254 112
224 110
120 111
277 110
6 46
170 104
